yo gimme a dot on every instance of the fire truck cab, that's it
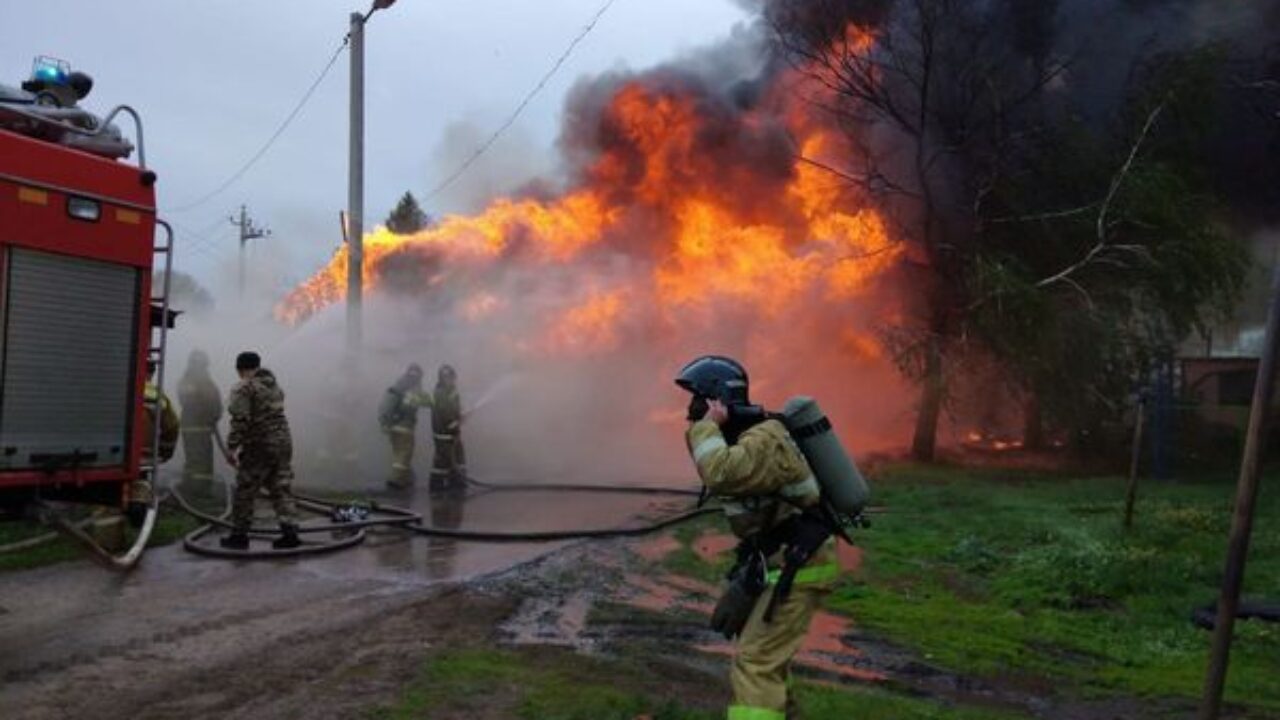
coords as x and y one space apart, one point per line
79 316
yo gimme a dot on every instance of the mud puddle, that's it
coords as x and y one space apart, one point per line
837 651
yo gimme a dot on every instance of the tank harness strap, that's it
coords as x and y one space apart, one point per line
806 533
817 427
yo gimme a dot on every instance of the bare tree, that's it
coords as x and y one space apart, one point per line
950 91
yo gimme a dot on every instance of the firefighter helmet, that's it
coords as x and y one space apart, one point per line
715 377
447 375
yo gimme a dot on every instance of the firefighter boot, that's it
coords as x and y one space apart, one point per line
288 539
237 540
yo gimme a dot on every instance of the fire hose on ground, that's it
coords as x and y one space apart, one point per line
76 531
352 532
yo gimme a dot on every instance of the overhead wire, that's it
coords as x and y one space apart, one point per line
457 173
297 108
524 103
202 244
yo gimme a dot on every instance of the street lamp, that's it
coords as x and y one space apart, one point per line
355 180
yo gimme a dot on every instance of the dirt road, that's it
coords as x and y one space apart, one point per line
185 636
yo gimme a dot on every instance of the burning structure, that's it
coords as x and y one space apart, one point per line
708 205
697 215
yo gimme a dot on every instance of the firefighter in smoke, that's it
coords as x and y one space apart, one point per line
786 564
201 410
449 468
158 409
260 448
398 415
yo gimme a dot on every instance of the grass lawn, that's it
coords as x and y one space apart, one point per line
542 684
171 525
1007 574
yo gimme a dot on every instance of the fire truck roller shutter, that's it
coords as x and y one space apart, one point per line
68 351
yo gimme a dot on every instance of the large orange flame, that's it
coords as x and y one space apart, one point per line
709 247
767 235
694 219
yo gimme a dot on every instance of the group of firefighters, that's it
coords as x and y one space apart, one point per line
752 464
259 445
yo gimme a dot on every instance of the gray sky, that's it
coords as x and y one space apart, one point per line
214 78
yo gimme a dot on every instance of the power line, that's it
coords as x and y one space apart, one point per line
203 245
484 147
271 140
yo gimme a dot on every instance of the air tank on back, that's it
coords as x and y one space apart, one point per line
836 472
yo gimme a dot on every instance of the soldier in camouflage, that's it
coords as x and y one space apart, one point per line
261 450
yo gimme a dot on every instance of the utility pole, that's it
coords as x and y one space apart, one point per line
248 231
355 178
355 189
1242 520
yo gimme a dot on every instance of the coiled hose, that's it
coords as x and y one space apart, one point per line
353 533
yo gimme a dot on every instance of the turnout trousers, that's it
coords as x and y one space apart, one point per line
197 448
449 467
402 446
761 672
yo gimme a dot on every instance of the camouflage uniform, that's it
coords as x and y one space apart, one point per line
760 480
398 415
261 442
449 468
201 411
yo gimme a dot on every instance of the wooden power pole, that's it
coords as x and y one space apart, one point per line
248 231
1242 521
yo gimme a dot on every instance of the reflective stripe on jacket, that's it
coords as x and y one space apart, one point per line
761 480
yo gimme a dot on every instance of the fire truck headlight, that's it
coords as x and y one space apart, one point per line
83 209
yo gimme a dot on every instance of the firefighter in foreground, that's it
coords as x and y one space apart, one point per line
774 503
398 415
201 411
260 448
449 468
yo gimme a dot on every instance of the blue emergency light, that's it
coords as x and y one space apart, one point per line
51 70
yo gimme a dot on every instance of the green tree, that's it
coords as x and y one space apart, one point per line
1080 298
408 217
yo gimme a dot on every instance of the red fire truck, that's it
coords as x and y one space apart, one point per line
83 303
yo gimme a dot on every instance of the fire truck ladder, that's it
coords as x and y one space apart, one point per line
157 352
